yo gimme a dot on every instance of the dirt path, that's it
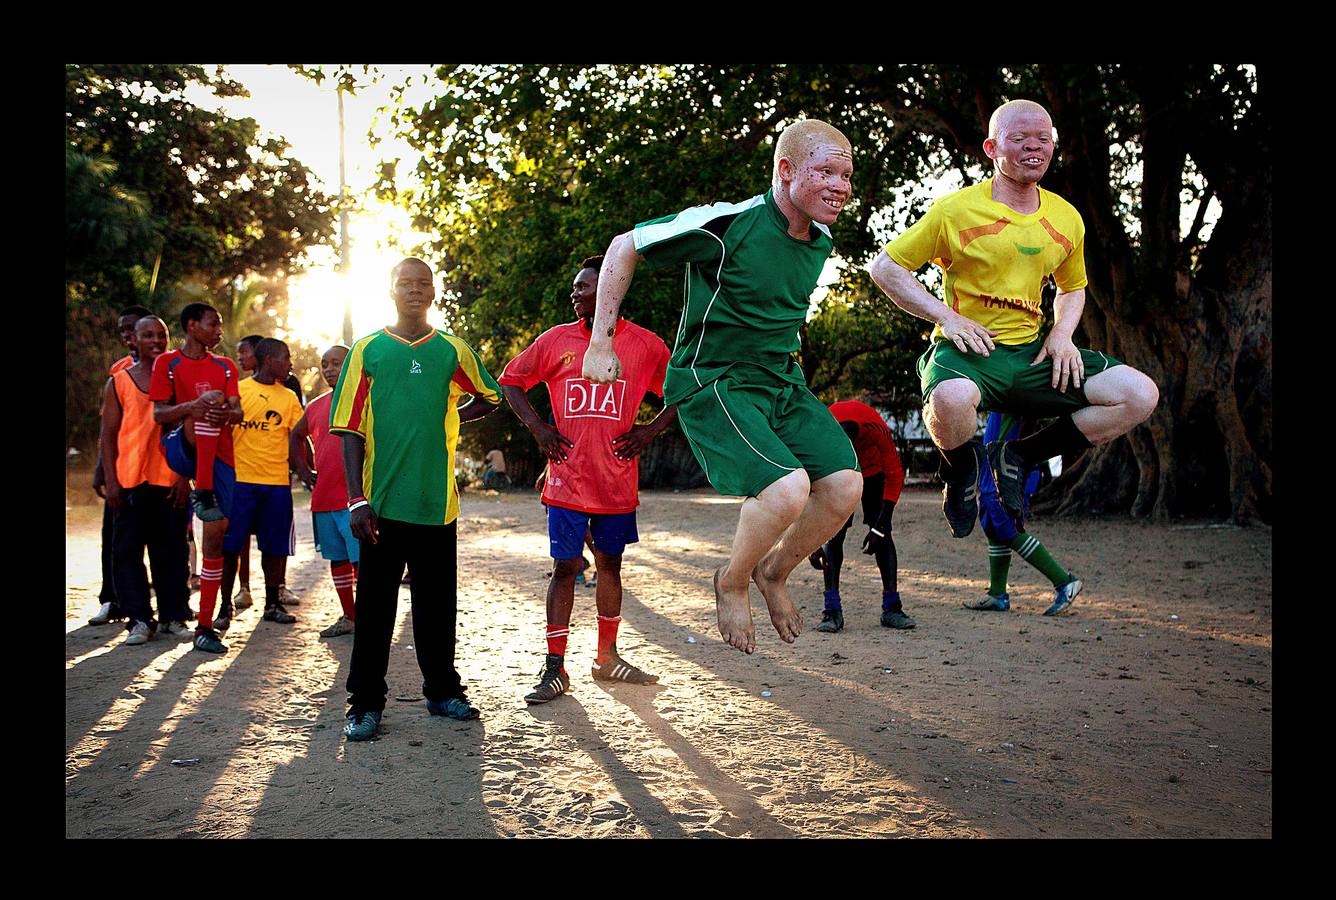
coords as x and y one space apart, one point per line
1119 720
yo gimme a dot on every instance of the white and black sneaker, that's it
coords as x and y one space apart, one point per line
140 633
552 680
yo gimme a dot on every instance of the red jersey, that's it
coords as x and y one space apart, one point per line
874 445
179 379
331 485
592 479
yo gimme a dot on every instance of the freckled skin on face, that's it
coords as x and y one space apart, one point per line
1021 142
822 184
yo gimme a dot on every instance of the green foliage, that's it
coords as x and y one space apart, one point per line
526 170
153 181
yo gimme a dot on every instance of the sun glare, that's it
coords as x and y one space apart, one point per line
316 298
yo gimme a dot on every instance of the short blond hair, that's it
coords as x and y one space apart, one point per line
1015 106
800 140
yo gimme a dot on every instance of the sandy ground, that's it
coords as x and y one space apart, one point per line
1145 713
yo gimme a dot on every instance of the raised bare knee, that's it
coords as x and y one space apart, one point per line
1143 397
954 400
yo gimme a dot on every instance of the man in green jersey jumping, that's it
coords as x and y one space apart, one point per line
397 408
742 401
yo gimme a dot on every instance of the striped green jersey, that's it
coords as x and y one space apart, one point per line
401 397
746 289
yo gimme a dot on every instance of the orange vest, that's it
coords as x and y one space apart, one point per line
139 456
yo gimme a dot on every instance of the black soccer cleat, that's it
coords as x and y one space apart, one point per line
960 497
1009 476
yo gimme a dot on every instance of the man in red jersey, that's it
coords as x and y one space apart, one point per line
593 475
195 393
329 490
883 477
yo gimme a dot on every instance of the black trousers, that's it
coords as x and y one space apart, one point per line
108 592
148 519
888 562
429 553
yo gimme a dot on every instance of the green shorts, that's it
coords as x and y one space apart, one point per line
1007 381
749 429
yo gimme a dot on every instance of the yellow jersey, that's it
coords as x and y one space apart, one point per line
995 260
260 440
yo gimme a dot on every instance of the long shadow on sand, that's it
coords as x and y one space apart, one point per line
570 715
734 798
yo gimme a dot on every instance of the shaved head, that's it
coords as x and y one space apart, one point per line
1007 111
801 141
406 261
147 322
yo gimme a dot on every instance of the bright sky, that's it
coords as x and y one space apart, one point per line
306 115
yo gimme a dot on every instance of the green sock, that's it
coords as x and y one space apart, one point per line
1034 553
999 564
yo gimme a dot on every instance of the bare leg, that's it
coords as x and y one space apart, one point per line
1122 398
561 591
763 519
829 505
952 413
608 591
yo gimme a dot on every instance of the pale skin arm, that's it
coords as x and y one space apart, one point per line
1058 346
904 289
601 364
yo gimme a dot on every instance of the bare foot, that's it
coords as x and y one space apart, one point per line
735 621
785 618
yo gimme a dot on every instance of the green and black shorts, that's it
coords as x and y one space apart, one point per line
1007 381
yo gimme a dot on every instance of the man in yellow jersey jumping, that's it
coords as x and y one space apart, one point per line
997 243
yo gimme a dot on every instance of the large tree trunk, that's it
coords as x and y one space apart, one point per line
1202 334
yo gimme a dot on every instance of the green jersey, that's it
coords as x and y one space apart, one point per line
401 397
748 286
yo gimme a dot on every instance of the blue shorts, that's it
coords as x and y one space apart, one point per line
567 527
334 535
264 510
181 459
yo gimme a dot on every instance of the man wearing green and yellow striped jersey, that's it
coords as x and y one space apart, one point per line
396 409
742 401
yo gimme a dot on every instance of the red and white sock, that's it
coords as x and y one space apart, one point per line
607 637
206 450
344 576
210 577
556 638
